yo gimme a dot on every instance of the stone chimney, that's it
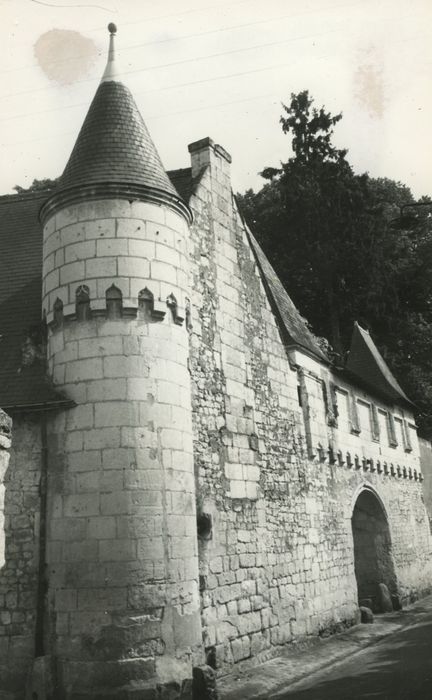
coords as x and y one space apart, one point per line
208 153
205 154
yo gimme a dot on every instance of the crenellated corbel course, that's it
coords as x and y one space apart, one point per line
148 308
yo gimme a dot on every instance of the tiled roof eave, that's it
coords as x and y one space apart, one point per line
108 190
389 394
292 345
30 407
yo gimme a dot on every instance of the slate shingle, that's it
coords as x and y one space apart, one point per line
114 145
367 364
294 325
20 301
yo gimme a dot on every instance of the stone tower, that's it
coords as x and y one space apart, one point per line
123 601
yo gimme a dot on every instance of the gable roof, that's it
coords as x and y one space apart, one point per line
294 325
366 363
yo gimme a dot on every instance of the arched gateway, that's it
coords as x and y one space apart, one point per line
373 560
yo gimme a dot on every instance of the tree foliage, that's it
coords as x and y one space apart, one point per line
349 247
38 186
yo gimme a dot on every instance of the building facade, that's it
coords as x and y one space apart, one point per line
190 481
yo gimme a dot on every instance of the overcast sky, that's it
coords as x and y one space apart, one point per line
221 69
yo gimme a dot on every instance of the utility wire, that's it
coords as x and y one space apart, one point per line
148 92
126 24
189 60
189 36
150 118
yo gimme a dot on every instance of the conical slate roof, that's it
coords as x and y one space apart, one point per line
367 364
114 145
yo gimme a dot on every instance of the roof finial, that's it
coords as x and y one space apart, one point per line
110 72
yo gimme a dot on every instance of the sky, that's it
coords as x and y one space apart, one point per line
222 69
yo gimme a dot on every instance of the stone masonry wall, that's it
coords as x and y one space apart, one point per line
122 548
426 467
275 538
19 573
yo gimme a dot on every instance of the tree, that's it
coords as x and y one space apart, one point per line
347 247
313 217
38 186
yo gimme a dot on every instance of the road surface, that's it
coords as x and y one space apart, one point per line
397 668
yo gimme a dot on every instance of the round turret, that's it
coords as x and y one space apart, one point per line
122 555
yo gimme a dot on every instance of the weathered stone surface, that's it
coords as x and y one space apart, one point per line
220 415
204 683
366 615
384 599
396 602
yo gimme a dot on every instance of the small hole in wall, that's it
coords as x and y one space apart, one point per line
299 395
204 526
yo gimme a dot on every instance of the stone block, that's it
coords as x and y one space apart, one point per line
79 251
151 548
107 247
101 528
94 599
100 267
396 602
65 600
72 272
81 370
139 248
100 347
81 504
99 438
115 413
204 683
384 599
80 417
85 550
115 503
238 489
366 615
117 550
106 389
51 281
84 461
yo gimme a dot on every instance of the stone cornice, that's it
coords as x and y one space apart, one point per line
112 190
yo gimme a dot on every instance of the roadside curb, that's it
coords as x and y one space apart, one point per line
274 678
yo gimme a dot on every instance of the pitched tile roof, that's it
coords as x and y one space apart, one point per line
114 145
366 364
294 325
22 383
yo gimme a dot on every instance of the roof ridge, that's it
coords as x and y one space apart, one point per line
24 195
295 325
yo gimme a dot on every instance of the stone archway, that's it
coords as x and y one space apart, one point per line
373 560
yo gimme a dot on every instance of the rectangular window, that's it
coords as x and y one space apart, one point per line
353 415
364 414
411 433
375 423
392 431
386 435
402 434
342 399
